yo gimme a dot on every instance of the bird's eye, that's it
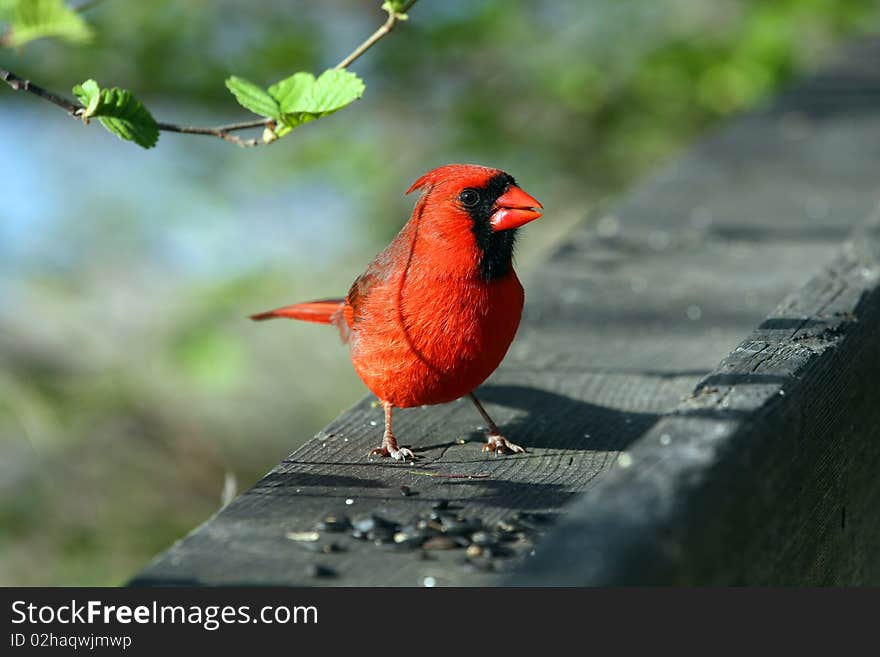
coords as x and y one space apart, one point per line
469 198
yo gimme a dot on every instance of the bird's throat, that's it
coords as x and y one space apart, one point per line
496 247
496 253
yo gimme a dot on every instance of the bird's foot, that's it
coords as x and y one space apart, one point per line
500 445
397 453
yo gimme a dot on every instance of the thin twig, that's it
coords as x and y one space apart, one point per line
223 131
383 31
20 84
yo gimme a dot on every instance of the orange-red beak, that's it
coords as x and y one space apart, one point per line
514 209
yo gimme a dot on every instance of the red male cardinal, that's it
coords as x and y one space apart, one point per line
434 313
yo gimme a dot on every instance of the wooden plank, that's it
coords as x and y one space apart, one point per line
767 474
626 317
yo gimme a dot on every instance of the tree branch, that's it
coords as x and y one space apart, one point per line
383 31
223 131
20 84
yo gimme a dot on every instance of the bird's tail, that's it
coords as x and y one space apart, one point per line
324 311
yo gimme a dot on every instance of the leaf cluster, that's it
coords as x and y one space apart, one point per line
297 99
285 105
29 20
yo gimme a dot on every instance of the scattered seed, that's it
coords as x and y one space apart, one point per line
349 502
508 527
411 536
482 538
441 528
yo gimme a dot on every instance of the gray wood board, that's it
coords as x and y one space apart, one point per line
767 474
625 318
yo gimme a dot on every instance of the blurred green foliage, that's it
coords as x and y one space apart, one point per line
28 20
130 382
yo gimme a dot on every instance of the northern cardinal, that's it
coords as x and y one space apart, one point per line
433 314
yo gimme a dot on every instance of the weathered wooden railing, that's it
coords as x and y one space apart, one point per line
648 462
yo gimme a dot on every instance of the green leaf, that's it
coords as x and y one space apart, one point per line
253 98
299 98
334 90
126 117
35 19
119 111
294 120
89 94
303 98
292 93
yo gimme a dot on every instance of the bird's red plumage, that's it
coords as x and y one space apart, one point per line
425 324
426 328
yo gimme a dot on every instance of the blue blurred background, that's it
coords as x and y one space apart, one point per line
132 387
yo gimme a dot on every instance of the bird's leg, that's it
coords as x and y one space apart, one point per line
495 442
389 445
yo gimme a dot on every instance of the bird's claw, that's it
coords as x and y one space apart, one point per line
399 454
500 445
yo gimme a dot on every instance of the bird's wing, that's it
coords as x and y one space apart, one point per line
377 275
